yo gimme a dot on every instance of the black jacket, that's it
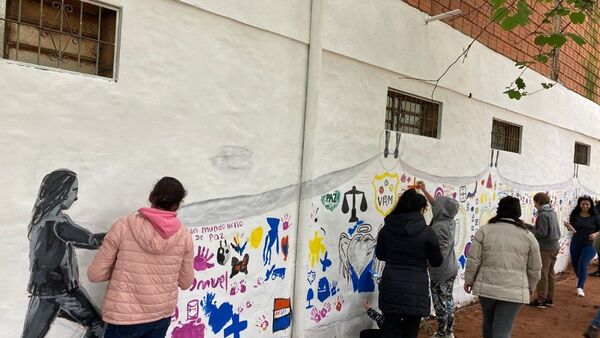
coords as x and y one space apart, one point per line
407 245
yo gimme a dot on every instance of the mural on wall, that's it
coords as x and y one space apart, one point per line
249 267
54 288
243 286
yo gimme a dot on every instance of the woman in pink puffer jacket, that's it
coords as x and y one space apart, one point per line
145 258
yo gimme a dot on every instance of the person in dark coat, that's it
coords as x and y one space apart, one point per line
407 245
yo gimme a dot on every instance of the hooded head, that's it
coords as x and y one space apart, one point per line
166 196
445 207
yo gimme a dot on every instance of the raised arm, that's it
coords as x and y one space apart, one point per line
68 231
421 186
102 266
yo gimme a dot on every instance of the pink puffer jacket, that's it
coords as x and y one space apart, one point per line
145 257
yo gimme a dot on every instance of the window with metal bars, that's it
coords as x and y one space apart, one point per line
582 153
410 114
506 136
73 35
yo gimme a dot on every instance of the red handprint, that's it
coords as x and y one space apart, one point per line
202 260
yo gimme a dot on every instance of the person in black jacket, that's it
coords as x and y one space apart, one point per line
407 245
54 288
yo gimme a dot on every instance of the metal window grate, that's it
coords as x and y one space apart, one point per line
582 153
409 114
506 136
67 34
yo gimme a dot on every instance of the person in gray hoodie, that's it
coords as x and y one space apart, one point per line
442 278
547 233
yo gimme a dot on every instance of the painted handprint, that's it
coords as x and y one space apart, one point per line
316 248
286 221
202 260
223 253
262 323
339 302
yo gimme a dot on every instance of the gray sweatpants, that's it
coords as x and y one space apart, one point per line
498 317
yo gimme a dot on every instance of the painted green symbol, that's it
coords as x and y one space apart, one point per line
331 200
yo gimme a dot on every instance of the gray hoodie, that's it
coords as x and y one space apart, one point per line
444 211
546 229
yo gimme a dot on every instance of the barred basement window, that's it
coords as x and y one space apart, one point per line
582 153
506 136
74 35
409 114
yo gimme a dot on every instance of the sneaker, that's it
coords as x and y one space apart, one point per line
537 304
549 302
591 332
443 335
594 274
580 292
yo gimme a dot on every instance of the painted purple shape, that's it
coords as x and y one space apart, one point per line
192 329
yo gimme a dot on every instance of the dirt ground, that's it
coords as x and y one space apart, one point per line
569 318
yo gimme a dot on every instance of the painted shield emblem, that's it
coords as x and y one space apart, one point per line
331 200
386 192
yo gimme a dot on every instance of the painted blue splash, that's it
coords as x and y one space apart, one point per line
364 282
272 239
353 228
325 262
236 327
324 290
273 273
217 316
462 260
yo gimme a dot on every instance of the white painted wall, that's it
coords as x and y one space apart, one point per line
204 84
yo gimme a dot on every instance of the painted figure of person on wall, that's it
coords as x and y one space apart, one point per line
54 288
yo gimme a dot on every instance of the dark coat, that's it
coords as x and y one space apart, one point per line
406 244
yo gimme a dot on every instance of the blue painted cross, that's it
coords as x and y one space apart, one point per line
236 326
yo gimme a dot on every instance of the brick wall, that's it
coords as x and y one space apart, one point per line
578 66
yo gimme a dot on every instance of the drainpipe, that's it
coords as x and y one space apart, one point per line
310 112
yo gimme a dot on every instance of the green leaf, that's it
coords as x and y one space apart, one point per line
578 39
520 83
497 4
557 40
562 11
513 94
540 40
547 85
541 58
523 12
577 17
509 23
499 14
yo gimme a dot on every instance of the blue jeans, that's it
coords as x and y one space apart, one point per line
582 254
596 321
498 317
157 329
